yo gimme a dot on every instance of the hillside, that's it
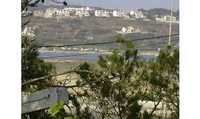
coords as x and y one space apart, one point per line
91 29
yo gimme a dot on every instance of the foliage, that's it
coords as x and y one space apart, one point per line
57 110
163 77
26 3
117 87
121 82
32 66
114 86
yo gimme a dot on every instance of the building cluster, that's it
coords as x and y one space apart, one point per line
87 11
166 18
65 12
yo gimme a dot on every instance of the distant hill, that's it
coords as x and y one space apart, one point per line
92 29
149 13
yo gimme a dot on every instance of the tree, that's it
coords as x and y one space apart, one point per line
32 3
29 3
121 81
115 85
32 66
163 78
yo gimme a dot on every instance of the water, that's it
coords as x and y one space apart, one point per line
71 55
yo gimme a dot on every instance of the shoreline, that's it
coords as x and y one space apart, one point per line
75 51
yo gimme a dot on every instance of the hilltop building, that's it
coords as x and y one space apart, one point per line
87 11
137 14
62 12
82 13
166 18
38 13
102 13
50 12
119 13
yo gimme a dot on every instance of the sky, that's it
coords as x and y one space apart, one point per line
126 4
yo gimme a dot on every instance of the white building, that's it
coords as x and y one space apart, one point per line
50 12
115 13
102 13
129 29
137 14
62 12
82 13
119 13
79 8
88 9
167 18
132 13
38 13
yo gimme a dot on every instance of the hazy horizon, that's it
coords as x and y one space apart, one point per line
123 4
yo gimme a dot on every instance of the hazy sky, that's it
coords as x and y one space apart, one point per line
126 4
